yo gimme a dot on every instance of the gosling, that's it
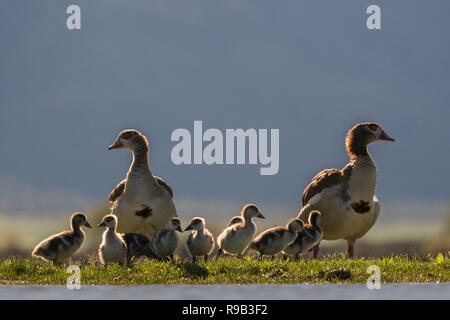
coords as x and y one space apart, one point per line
236 238
200 242
138 245
234 220
307 238
165 241
62 246
113 248
272 241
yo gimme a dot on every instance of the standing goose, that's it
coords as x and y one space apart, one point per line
200 242
142 202
165 241
307 238
274 240
237 237
62 246
346 198
113 248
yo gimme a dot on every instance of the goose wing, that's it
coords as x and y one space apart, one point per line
324 179
165 185
117 191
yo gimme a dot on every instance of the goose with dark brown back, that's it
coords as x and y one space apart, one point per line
346 198
142 202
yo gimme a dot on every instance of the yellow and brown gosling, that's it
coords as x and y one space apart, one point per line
272 241
200 242
236 238
62 246
113 248
307 238
165 241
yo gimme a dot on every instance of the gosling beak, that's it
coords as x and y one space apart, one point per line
179 229
87 224
116 145
384 136
189 227
260 216
102 224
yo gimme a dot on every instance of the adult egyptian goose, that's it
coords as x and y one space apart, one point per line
274 240
142 202
236 238
346 198
200 242
307 238
113 248
62 246
165 241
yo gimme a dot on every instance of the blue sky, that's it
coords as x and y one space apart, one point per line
312 70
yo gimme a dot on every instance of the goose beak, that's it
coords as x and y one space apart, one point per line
260 216
189 227
87 224
116 145
102 224
384 136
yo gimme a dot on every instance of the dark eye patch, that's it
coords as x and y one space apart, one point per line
127 135
373 126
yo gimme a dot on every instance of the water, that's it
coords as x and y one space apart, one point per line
229 292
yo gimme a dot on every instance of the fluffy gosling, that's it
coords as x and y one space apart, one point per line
200 242
165 241
307 238
274 240
62 246
236 238
113 248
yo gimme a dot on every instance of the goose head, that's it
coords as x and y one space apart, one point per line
361 135
314 218
252 211
295 225
196 224
175 224
79 219
109 221
130 139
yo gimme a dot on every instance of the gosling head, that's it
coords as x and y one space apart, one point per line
79 219
234 220
109 221
130 139
196 224
175 224
252 211
314 218
295 225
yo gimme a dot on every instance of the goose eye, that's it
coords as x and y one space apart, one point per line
373 126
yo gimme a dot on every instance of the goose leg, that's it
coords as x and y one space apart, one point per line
297 256
351 251
205 257
284 257
315 251
194 259
219 253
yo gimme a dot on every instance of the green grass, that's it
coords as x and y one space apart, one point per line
332 269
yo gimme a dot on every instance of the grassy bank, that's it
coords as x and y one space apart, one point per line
331 269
